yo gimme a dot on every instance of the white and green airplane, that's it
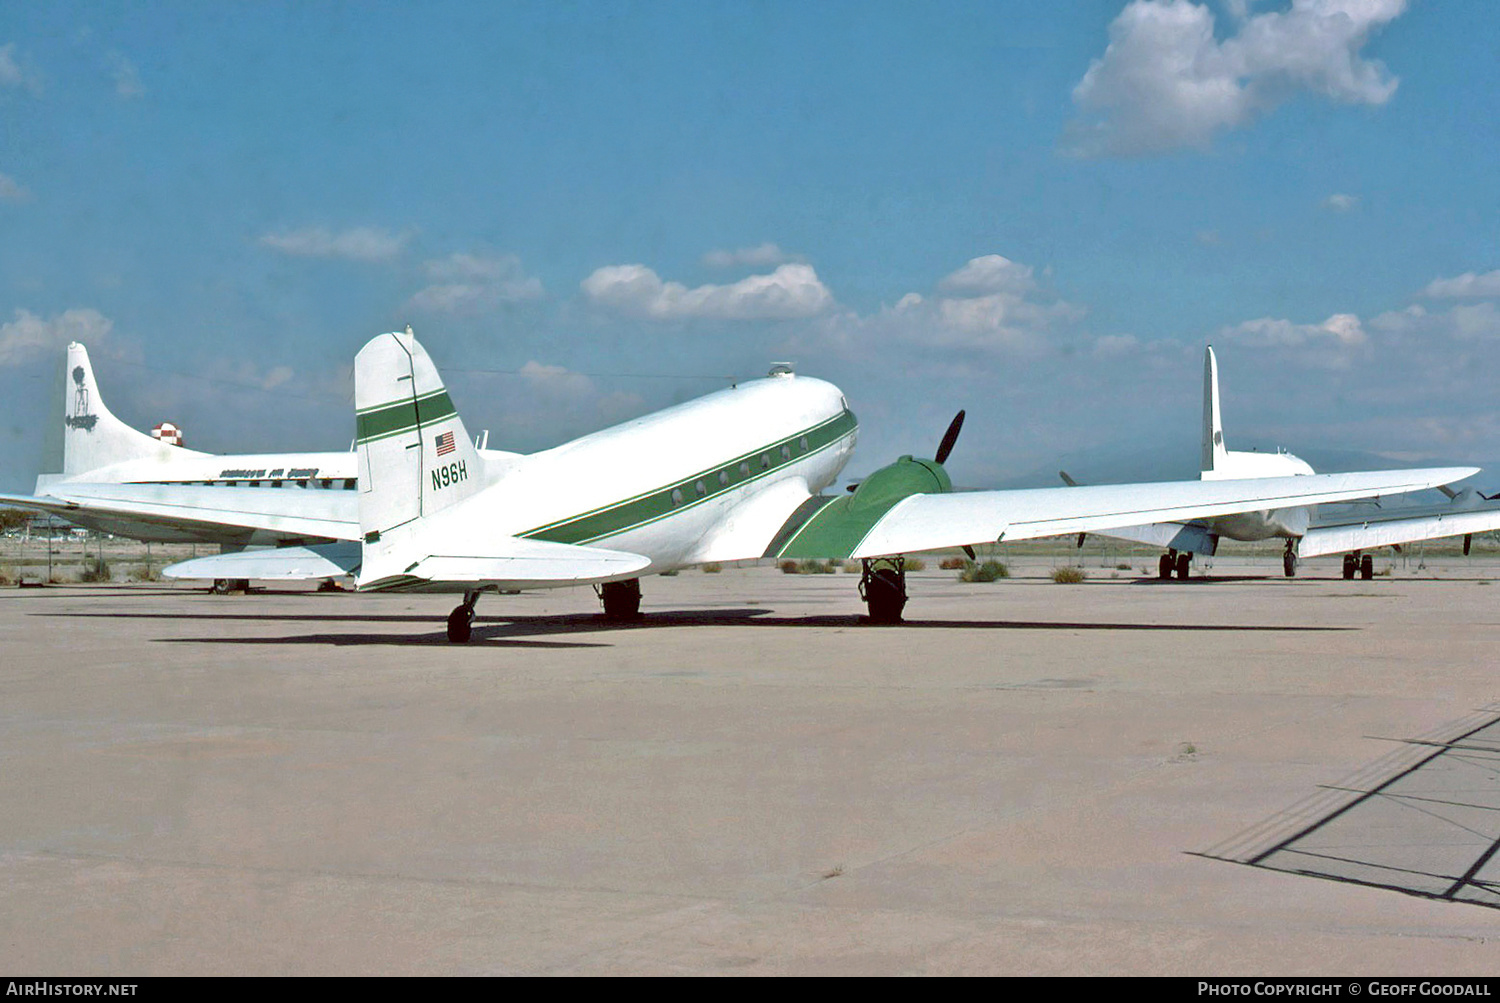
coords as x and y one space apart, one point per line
732 476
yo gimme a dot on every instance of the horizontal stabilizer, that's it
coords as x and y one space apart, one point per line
454 565
1389 532
935 521
327 560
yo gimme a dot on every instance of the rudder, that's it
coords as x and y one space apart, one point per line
92 436
415 456
1214 452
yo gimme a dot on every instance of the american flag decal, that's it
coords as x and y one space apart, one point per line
444 444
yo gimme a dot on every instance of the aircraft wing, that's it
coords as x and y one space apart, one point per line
1362 534
309 512
921 522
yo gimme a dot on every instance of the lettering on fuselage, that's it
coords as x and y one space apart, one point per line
446 477
245 475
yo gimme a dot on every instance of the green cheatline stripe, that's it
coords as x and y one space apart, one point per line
392 419
659 503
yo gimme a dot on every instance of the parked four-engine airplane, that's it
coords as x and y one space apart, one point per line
731 476
118 480
1307 531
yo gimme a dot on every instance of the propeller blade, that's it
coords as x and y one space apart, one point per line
949 438
970 551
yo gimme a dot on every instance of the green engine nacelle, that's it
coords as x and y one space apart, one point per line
906 477
834 527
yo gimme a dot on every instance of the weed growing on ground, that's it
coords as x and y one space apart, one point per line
1068 575
985 572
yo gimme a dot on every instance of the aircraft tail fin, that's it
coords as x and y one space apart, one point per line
1214 453
415 456
92 436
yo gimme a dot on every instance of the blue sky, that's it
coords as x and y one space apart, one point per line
1038 212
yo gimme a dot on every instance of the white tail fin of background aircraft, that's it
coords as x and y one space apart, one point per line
1219 463
1215 456
94 438
415 456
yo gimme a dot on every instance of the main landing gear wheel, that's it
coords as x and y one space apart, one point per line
1367 567
882 585
1184 564
461 620
621 600
1351 565
1289 561
224 586
1164 566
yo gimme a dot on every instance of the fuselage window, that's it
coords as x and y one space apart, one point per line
701 488
275 484
723 478
326 483
744 469
786 452
348 483
676 496
803 443
765 460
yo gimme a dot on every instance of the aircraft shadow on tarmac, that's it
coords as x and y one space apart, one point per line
1423 820
516 630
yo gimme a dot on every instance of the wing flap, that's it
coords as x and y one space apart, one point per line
935 521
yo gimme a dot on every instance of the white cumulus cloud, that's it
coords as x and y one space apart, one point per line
558 380
1266 332
29 335
1339 202
760 256
792 290
12 190
991 273
1469 285
469 283
127 79
990 305
13 74
1166 81
362 243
